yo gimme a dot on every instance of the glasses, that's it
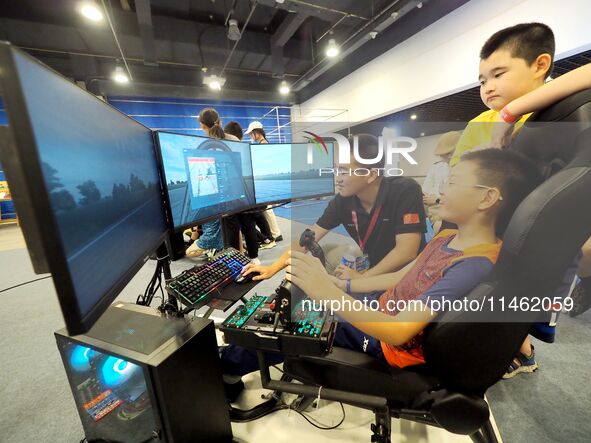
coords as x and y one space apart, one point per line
448 183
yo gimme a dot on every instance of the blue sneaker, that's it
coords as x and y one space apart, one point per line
522 364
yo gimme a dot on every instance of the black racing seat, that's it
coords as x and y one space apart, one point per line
544 235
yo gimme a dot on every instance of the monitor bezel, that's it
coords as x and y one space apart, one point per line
289 200
164 185
33 204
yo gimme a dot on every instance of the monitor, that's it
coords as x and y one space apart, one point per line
205 178
85 182
291 171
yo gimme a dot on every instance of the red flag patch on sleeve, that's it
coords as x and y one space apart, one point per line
411 219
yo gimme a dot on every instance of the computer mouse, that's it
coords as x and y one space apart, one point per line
242 279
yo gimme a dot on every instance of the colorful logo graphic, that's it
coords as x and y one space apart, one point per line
317 141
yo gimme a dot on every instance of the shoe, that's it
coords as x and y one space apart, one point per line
255 261
233 390
268 244
279 238
581 300
194 251
522 364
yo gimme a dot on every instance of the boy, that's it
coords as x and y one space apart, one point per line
482 193
513 62
384 215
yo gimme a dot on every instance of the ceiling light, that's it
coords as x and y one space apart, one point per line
280 1
91 11
332 50
413 117
422 134
233 31
120 76
214 82
284 88
420 5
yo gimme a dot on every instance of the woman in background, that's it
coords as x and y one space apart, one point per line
211 240
257 135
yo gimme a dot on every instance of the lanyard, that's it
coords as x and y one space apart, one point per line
370 228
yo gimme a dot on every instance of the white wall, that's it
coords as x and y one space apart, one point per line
443 58
424 155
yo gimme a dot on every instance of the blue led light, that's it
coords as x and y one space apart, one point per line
80 358
116 371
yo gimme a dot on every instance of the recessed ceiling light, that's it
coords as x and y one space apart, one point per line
214 82
284 88
332 50
120 76
91 11
413 117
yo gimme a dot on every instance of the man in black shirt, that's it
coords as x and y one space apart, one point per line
384 215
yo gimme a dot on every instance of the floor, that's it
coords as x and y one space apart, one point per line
11 237
548 406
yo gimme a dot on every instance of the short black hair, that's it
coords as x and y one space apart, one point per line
525 40
515 175
369 147
234 128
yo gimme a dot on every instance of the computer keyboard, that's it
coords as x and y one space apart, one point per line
196 286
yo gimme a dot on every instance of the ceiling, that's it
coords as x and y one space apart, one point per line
167 44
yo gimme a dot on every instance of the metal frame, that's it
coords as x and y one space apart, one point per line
34 207
379 405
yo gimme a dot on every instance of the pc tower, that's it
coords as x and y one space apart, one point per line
137 376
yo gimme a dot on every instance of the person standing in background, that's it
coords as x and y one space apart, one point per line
248 220
211 239
257 135
437 175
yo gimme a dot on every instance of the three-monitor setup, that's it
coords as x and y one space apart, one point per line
88 183
205 178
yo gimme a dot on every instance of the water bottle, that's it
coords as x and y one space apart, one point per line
349 257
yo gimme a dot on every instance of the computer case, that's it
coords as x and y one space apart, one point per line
138 376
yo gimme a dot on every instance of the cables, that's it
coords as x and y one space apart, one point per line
24 283
105 440
304 416
155 284
288 407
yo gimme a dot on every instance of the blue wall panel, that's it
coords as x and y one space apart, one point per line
180 115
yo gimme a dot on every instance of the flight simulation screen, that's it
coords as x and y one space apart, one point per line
205 177
292 171
99 170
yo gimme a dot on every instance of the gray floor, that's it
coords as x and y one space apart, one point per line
551 405
554 403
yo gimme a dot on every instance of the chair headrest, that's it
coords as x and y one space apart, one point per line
549 136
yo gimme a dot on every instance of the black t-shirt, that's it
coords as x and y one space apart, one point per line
402 211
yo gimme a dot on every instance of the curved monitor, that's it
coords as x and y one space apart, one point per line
85 183
205 178
291 171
